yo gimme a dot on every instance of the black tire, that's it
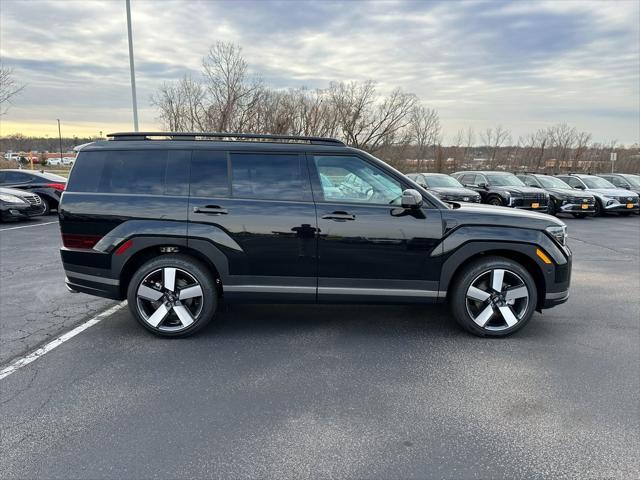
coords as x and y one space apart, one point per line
495 201
551 209
497 325
187 270
599 210
579 215
47 206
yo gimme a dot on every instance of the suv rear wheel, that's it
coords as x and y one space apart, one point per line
172 296
493 296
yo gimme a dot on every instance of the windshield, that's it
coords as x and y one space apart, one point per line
597 182
436 181
505 180
552 182
634 180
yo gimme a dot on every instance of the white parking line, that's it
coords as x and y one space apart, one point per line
36 354
28 226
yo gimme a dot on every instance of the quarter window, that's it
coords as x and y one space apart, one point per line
149 172
270 176
351 179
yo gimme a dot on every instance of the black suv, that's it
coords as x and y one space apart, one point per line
176 223
504 189
446 188
562 197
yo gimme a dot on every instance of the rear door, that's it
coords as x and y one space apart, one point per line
257 210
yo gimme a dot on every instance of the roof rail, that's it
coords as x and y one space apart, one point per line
222 136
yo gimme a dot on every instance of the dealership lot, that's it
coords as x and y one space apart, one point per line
331 391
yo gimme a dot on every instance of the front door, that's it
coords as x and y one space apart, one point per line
369 248
257 209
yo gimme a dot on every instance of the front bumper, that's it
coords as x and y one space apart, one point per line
19 211
577 208
622 207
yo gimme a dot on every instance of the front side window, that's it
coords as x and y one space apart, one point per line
354 180
267 176
469 179
573 182
552 182
634 180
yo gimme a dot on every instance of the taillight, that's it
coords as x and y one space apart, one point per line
56 186
73 240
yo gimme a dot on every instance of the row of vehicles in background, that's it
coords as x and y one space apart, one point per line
579 195
29 193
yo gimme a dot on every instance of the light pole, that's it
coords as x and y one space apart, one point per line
132 67
60 140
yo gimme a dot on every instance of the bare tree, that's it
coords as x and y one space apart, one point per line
562 138
494 138
424 132
9 88
582 140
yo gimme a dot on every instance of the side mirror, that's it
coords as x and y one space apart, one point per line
627 187
411 198
483 185
579 187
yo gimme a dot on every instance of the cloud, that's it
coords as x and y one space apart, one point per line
522 64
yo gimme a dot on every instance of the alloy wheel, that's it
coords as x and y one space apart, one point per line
497 299
169 299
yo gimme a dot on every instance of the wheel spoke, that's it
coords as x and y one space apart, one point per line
517 292
508 315
183 314
170 278
158 316
484 316
476 294
190 292
497 279
149 293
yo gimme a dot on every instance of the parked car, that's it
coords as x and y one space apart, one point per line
47 185
54 162
627 181
608 197
504 189
445 187
176 227
562 198
16 204
68 161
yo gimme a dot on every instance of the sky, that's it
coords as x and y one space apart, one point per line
522 64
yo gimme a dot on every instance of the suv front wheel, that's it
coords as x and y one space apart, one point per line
493 296
172 296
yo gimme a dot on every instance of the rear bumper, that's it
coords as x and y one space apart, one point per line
88 271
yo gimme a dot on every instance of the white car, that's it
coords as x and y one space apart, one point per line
54 161
68 161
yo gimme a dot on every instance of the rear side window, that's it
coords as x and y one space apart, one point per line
209 174
16 177
146 172
270 176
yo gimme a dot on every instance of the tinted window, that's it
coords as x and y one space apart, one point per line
269 176
150 172
468 179
573 181
209 174
355 180
16 177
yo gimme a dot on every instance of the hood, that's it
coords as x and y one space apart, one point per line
481 214
613 192
570 192
455 191
16 192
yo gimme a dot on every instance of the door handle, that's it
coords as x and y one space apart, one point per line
211 210
340 216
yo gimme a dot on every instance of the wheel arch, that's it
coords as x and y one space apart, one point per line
457 262
142 255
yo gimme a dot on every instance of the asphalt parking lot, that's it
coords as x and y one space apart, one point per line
332 391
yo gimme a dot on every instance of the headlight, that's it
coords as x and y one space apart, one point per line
5 197
558 233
